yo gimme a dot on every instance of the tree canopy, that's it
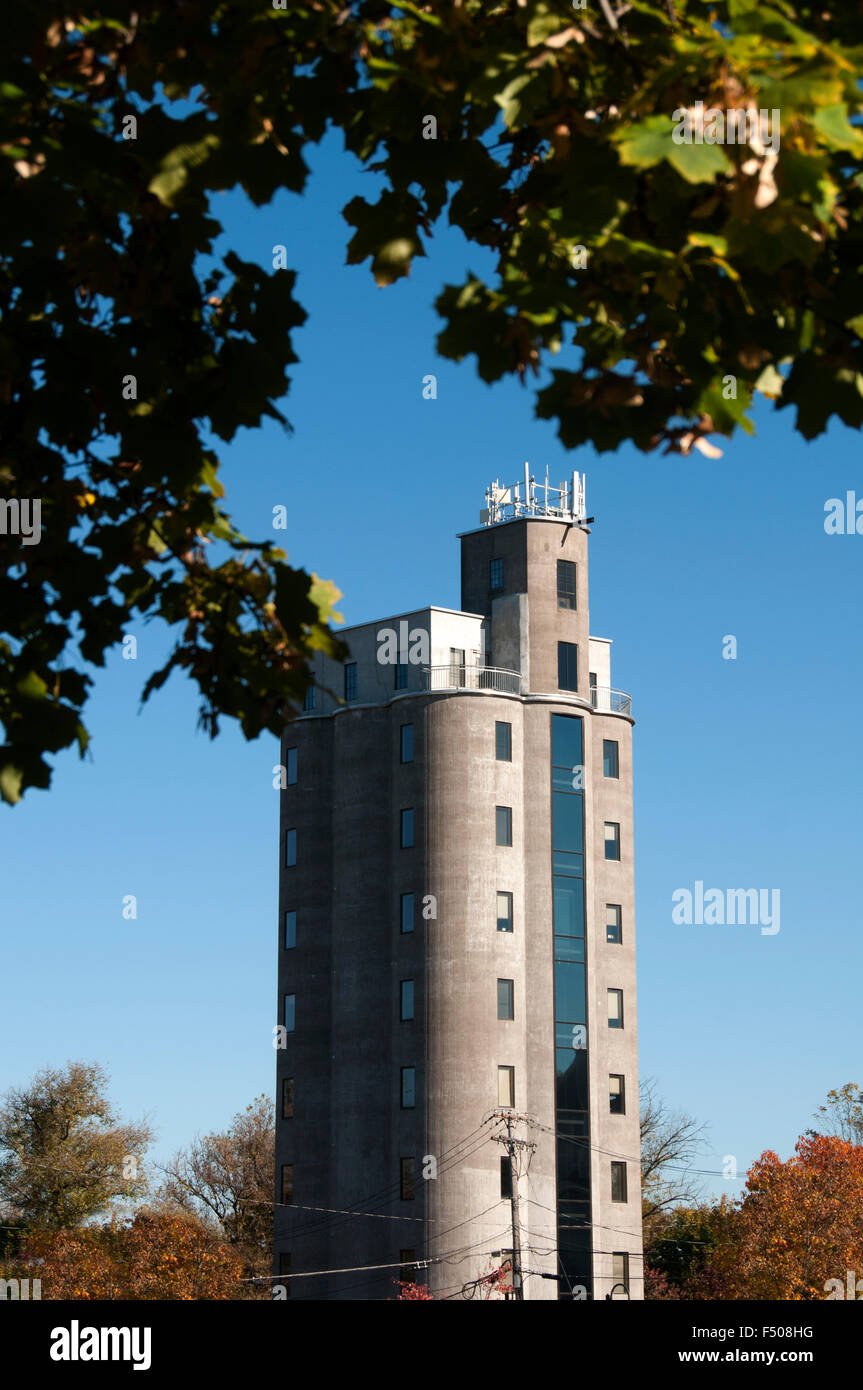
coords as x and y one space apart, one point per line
673 282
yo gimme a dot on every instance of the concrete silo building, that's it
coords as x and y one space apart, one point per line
457 986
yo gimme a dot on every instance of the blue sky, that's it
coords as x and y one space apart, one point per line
747 772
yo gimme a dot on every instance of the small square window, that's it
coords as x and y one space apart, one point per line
287 1184
610 761
615 1008
310 699
407 1001
290 849
287 1098
567 666
618 1181
616 1094
409 1088
495 576
505 999
612 923
407 912
503 742
504 911
566 584
506 1177
290 930
290 767
503 825
407 828
612 840
506 1086
350 680
401 675
290 1012
407 743
408 1179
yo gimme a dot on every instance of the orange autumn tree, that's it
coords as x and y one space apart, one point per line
152 1257
799 1225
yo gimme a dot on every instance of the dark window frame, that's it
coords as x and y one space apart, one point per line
615 757
507 740
496 578
287 1097
403 730
508 1001
507 827
413 1103
403 1017
620 1095
619 1181
352 683
565 593
406 825
567 666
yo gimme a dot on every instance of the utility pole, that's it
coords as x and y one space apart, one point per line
512 1144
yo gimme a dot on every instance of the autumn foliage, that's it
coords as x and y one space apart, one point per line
152 1257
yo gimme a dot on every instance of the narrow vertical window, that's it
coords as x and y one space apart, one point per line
504 911
618 1181
620 1270
287 1098
612 840
566 584
401 675
407 1001
290 766
290 930
503 742
506 1086
310 699
290 1012
615 1008
287 1184
350 680
612 923
495 576
610 762
290 848
506 998
407 743
503 825
456 666
407 1179
407 912
409 1088
407 1273
407 828
506 1177
567 666
616 1094
285 1271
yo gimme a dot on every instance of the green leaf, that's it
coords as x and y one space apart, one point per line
832 124
174 168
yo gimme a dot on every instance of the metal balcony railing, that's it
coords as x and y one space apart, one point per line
472 678
603 698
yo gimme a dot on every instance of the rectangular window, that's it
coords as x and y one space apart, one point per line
407 1001
618 1181
506 1177
290 848
610 761
620 1269
567 666
566 584
401 675
350 680
310 699
285 1271
407 1273
290 766
612 923
503 825
612 840
290 1012
506 998
409 1088
506 1086
407 1180
407 912
408 828
287 1184
290 930
287 1098
616 1094
407 743
503 742
504 911
615 1008
456 666
495 576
